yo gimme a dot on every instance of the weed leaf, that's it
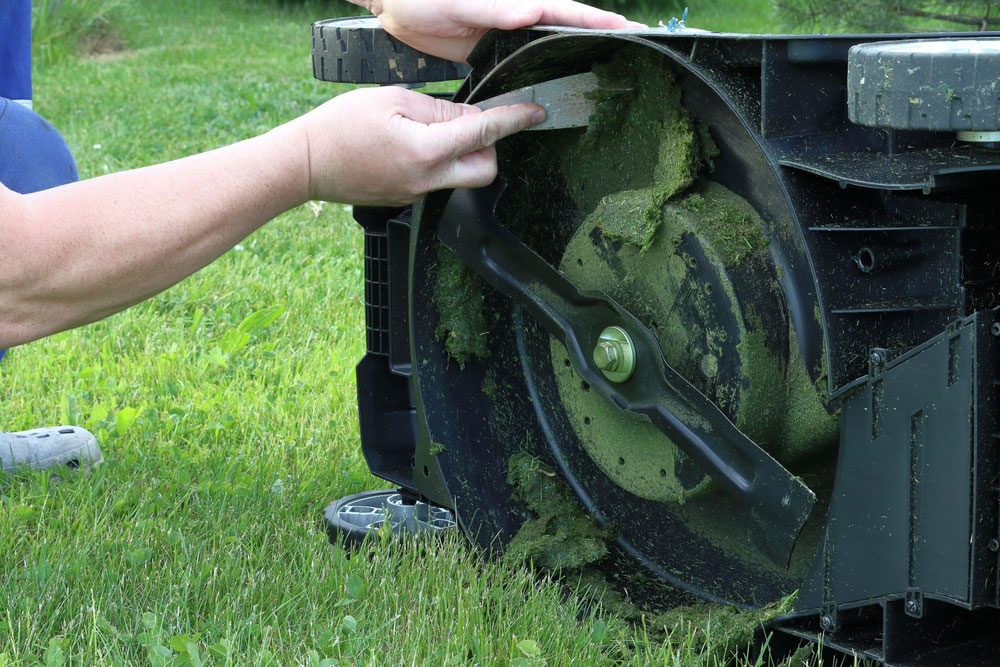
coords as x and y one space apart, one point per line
356 586
220 649
150 621
54 656
180 643
529 647
599 631
349 625
254 323
140 555
124 419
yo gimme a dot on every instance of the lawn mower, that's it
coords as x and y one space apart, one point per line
747 316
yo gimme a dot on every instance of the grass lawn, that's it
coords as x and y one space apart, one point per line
226 408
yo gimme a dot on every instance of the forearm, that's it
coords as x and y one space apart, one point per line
79 252
89 249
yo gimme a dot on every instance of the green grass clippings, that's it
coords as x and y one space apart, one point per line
458 296
563 539
729 224
641 147
561 536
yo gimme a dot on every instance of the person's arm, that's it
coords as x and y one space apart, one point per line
450 28
79 252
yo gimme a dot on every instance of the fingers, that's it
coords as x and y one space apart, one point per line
469 159
557 12
451 28
482 129
577 15
473 170
583 16
428 110
508 15
392 145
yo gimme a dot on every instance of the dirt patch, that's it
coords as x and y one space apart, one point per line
103 42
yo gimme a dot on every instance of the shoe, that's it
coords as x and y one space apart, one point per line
70 446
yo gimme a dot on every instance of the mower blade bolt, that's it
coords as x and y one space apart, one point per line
912 606
606 355
614 354
995 329
826 622
876 359
994 545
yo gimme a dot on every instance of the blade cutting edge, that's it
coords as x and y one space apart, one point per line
566 100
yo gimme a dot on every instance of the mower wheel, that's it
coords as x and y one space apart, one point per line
356 516
358 50
937 85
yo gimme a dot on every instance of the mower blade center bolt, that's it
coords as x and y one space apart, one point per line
607 356
614 354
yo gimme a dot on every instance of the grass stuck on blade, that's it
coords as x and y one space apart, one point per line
227 413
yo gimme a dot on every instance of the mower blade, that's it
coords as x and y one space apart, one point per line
778 503
566 100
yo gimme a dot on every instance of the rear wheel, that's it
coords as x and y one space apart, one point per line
936 85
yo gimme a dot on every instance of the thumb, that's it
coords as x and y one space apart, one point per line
473 131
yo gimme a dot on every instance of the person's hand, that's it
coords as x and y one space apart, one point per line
450 28
389 146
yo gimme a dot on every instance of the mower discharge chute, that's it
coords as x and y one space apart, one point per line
747 315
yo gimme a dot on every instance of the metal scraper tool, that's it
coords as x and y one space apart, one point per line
566 101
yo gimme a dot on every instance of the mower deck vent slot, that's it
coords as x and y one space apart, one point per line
924 170
889 308
377 293
884 228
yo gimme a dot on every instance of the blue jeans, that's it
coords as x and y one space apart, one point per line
15 49
32 154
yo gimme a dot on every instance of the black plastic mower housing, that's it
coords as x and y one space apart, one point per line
884 244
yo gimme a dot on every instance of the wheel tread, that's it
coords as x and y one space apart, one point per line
923 89
362 52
